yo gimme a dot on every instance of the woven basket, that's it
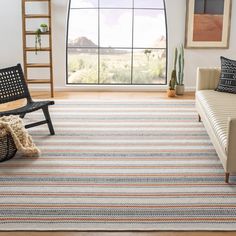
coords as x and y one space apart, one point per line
7 147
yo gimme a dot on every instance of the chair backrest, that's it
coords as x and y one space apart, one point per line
13 85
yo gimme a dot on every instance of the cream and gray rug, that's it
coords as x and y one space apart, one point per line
118 165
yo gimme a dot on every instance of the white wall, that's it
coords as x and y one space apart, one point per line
11 39
195 57
10 34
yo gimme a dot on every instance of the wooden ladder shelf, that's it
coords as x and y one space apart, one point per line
26 49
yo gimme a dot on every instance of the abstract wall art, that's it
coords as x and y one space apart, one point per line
208 23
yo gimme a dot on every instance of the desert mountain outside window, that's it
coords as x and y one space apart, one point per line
121 42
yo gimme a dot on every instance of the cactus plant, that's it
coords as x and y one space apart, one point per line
180 79
173 79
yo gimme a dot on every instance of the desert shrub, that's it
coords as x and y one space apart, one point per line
149 68
84 77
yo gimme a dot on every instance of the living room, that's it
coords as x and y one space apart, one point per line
117 117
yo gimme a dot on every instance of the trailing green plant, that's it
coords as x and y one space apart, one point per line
38 40
180 79
173 78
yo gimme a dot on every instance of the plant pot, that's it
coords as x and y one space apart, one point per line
44 29
179 89
171 93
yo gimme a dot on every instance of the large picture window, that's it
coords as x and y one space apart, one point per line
116 42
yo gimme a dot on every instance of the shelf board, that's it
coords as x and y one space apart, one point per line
34 33
38 65
32 49
38 81
32 16
37 0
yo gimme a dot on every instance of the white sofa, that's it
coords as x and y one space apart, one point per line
217 111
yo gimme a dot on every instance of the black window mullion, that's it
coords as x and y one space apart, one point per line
98 41
117 48
132 52
112 8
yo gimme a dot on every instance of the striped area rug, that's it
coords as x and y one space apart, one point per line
118 165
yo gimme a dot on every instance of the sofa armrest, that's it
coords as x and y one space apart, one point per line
207 78
231 145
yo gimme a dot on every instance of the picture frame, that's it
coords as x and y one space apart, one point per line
208 23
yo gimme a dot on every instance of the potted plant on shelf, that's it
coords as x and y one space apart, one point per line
172 82
44 28
38 40
180 78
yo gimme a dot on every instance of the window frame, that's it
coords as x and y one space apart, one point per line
128 48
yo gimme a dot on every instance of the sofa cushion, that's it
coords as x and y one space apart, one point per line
218 107
227 82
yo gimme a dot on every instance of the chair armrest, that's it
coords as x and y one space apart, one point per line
231 145
207 78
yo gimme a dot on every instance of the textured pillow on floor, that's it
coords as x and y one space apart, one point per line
227 81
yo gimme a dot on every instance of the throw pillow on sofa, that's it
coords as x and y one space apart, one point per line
227 81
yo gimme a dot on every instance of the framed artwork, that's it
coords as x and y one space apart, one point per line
208 23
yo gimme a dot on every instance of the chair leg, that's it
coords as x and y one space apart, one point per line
199 118
48 119
227 177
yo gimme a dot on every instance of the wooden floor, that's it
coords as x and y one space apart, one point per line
118 233
85 96
111 95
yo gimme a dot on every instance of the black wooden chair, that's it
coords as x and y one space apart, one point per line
14 87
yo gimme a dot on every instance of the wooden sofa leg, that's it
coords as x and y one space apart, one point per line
199 118
227 178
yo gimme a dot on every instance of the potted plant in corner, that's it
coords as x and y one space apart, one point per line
172 82
44 28
180 78
38 40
